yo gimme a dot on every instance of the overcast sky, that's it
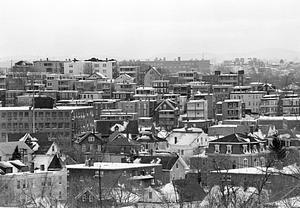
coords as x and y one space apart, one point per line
144 29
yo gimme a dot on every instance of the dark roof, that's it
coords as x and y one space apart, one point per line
167 162
236 138
118 139
43 141
8 148
85 135
104 127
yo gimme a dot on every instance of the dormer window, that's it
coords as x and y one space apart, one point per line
229 149
217 148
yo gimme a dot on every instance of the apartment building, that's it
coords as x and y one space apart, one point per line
235 79
76 67
197 109
231 109
252 99
49 66
161 86
270 105
61 121
132 71
181 65
145 93
291 105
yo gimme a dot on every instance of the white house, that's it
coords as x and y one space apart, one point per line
187 141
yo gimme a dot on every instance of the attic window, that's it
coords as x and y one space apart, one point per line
91 139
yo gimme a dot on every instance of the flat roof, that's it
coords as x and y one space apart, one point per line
24 108
111 166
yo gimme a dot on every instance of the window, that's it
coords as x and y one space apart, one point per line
104 65
59 195
217 148
150 194
59 179
99 148
182 152
91 139
18 184
83 148
84 197
245 149
229 149
261 147
176 165
245 162
90 198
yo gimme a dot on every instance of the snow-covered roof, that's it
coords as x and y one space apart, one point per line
111 166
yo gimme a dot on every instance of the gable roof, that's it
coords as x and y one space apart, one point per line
236 138
155 70
42 140
49 161
87 190
167 162
124 76
104 126
85 135
99 75
169 102
8 148
120 140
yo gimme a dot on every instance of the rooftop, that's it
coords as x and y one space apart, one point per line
24 108
111 166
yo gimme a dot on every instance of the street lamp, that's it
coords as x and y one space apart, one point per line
99 174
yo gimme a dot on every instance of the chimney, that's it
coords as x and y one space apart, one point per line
179 58
47 59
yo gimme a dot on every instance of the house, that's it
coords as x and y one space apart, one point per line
28 186
279 183
187 142
150 76
237 151
96 76
119 144
47 163
106 127
173 166
150 141
112 175
124 78
89 199
166 114
91 145
8 149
